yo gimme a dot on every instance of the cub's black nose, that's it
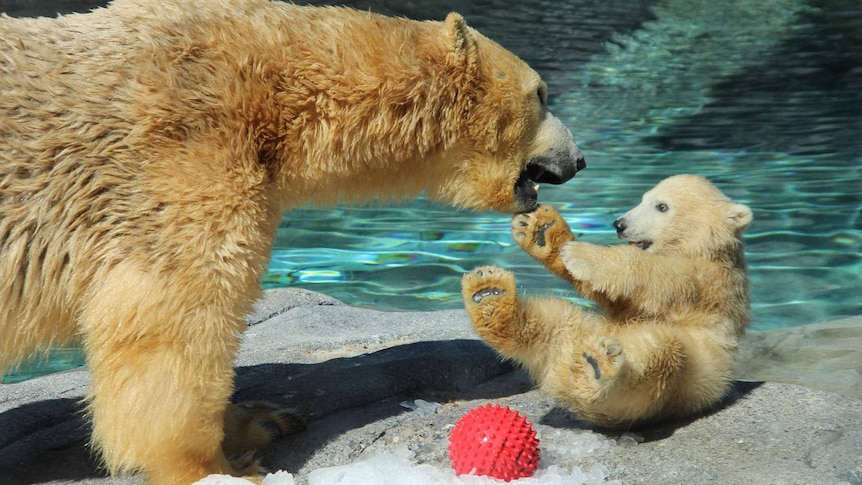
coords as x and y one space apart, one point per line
620 225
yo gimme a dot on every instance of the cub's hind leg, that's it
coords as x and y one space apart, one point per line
491 301
623 379
526 330
598 367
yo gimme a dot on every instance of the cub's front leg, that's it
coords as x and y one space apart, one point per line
625 276
542 234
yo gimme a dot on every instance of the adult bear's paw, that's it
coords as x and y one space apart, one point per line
250 426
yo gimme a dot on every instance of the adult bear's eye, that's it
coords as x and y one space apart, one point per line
542 93
661 207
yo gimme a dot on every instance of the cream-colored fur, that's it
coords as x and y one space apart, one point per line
675 300
148 149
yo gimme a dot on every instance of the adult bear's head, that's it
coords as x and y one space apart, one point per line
507 139
378 107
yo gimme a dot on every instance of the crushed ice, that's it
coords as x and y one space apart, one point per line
561 448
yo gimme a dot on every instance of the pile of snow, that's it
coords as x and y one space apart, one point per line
398 468
560 449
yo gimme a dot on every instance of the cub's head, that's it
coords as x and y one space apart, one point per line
505 140
684 214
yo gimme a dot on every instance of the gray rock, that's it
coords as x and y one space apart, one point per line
823 356
374 381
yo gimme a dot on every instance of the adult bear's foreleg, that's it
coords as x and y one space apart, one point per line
162 375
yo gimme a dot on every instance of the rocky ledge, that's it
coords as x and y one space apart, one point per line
382 384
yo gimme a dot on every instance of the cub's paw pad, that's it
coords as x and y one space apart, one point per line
605 358
479 295
594 364
487 283
527 229
538 231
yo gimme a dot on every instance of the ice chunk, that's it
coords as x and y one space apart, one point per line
397 468
277 478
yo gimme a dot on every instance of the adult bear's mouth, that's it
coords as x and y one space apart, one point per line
545 171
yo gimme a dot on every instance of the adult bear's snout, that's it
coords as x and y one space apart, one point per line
558 158
554 169
555 158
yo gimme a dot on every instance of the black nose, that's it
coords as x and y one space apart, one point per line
555 170
580 163
620 225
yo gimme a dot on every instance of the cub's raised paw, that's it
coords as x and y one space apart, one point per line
486 285
541 233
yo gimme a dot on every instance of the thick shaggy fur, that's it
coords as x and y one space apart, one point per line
148 149
675 301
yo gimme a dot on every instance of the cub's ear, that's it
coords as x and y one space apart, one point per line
739 215
462 41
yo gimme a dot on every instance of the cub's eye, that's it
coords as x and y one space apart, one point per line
661 207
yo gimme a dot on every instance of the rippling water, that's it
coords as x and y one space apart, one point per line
764 98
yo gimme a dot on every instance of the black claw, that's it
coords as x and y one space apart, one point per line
590 360
294 423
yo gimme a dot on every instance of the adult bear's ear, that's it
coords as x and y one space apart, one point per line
740 216
462 41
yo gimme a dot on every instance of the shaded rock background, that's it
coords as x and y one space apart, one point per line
373 382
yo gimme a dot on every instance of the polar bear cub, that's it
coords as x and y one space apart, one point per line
675 299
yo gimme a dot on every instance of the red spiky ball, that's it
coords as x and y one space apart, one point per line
495 442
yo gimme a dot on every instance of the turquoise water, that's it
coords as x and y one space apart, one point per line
764 98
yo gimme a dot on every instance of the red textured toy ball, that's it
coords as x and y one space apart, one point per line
495 442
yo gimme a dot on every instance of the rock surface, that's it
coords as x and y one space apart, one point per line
374 382
822 355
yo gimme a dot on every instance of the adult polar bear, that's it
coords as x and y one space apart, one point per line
147 151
